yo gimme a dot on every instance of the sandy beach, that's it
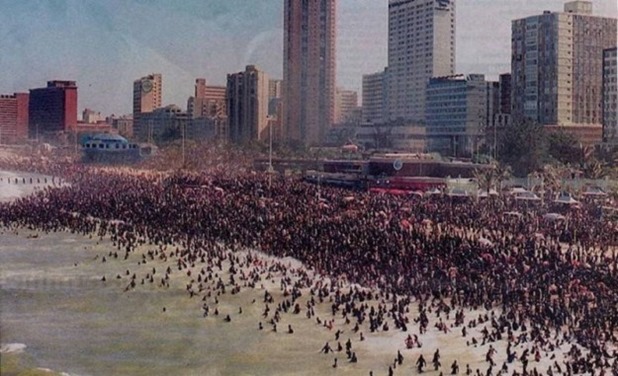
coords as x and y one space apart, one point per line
73 303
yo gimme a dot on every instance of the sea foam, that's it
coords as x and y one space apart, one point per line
12 348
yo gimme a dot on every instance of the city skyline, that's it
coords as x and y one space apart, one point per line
105 46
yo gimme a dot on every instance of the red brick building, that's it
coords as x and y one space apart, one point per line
52 109
13 118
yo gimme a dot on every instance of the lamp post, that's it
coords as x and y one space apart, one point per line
270 156
184 124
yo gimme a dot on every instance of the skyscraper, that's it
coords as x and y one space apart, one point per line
421 45
610 97
146 98
52 109
247 105
374 98
308 69
557 66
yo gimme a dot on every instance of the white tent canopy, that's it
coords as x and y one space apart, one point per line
518 190
483 193
594 191
566 199
527 196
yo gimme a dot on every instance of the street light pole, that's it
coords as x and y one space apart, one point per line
270 156
183 144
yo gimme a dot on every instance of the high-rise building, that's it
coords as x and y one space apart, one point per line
610 100
421 45
14 118
247 105
208 101
274 98
52 109
505 88
308 69
459 111
557 66
375 106
346 104
147 93
274 88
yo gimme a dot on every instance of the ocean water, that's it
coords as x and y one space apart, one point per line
54 303
11 190
56 313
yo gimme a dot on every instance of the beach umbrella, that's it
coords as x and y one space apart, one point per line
433 192
406 224
553 217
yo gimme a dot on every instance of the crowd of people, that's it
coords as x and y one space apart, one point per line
545 284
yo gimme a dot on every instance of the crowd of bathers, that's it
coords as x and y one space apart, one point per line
553 276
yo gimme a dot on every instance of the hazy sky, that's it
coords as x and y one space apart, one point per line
105 44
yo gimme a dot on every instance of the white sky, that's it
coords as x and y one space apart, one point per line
105 44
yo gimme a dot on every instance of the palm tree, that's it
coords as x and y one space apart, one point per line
492 176
503 172
484 178
594 169
550 178
591 166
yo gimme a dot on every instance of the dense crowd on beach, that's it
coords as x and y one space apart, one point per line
548 284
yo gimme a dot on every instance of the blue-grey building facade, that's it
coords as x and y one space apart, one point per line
459 110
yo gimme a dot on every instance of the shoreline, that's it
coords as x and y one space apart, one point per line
373 352
229 288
